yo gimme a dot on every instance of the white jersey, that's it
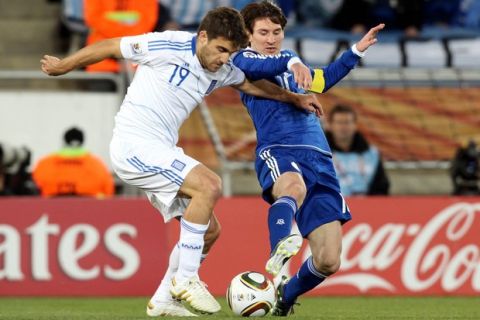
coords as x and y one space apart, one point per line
168 84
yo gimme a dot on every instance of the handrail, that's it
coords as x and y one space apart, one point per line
74 75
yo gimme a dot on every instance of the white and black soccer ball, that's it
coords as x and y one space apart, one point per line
250 294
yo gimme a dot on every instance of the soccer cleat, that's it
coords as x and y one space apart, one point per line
195 293
283 251
173 308
280 308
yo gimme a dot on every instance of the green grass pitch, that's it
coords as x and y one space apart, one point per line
310 308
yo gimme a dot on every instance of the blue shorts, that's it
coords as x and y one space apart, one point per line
323 203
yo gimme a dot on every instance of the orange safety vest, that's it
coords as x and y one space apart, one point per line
73 172
117 18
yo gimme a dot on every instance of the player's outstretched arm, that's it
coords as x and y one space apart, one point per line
268 90
326 77
91 54
370 38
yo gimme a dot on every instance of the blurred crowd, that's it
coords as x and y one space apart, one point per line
93 20
408 16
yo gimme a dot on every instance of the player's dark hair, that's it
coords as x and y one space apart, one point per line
341 108
227 23
264 9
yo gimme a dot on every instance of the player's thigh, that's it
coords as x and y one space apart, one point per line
290 184
201 181
326 245
279 174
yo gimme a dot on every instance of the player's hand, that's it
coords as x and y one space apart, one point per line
370 38
302 75
52 66
310 103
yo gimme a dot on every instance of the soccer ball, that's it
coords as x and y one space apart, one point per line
250 294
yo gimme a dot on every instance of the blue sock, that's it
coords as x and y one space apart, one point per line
280 217
305 280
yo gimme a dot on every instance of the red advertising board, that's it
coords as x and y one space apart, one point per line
393 246
80 247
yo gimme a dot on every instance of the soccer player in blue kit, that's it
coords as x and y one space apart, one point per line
293 160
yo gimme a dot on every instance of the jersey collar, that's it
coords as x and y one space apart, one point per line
194 44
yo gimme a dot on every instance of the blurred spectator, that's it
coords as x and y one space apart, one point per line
441 13
73 15
348 15
469 15
405 15
14 178
358 165
465 170
452 13
73 171
188 13
71 30
165 20
117 18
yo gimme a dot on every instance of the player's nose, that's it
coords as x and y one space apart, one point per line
271 39
224 57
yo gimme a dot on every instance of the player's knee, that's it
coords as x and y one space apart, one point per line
212 187
296 190
327 265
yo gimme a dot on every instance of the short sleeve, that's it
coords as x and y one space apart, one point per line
234 77
143 48
135 48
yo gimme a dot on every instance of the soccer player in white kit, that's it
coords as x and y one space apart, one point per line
176 70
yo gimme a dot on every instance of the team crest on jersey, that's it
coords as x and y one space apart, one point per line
211 87
136 49
179 165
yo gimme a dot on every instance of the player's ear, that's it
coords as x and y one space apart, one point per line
203 37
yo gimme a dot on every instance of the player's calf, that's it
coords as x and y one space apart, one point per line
212 234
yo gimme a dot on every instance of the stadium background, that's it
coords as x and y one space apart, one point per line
418 102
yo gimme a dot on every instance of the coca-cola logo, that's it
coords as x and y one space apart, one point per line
440 252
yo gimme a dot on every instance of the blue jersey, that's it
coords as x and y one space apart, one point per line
282 124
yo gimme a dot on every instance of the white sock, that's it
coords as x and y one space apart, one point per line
163 291
190 247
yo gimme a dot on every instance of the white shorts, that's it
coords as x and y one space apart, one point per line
155 168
